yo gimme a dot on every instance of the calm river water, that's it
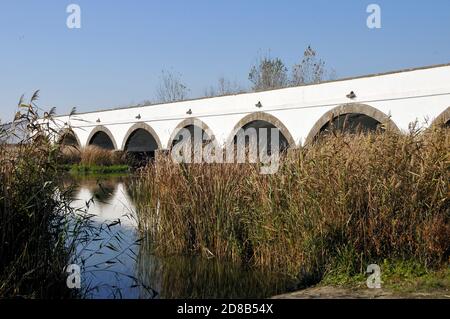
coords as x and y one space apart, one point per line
119 267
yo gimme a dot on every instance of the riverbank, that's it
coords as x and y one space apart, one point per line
432 285
93 160
80 169
330 292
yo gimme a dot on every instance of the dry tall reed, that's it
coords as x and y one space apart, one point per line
90 156
340 204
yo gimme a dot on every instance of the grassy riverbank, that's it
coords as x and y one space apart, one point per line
401 278
331 210
93 160
397 281
80 169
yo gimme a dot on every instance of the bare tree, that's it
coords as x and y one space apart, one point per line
210 92
268 74
224 87
171 89
311 69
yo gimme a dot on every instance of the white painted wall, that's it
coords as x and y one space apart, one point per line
406 96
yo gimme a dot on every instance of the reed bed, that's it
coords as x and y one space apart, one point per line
90 156
34 215
41 233
334 207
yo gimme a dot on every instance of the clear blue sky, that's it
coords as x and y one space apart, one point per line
117 56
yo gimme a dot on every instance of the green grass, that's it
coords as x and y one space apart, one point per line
413 277
79 169
399 276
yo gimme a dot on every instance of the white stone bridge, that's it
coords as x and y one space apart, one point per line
392 100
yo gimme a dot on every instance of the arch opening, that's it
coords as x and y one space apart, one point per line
443 120
351 123
102 140
196 134
69 146
261 128
195 129
191 141
141 146
69 138
264 131
351 118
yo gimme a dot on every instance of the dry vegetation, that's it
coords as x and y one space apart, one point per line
34 215
91 156
336 206
40 233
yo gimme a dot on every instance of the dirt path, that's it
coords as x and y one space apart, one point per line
328 292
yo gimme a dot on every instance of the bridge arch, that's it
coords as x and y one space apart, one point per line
443 119
67 137
141 137
102 137
263 120
360 114
189 124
